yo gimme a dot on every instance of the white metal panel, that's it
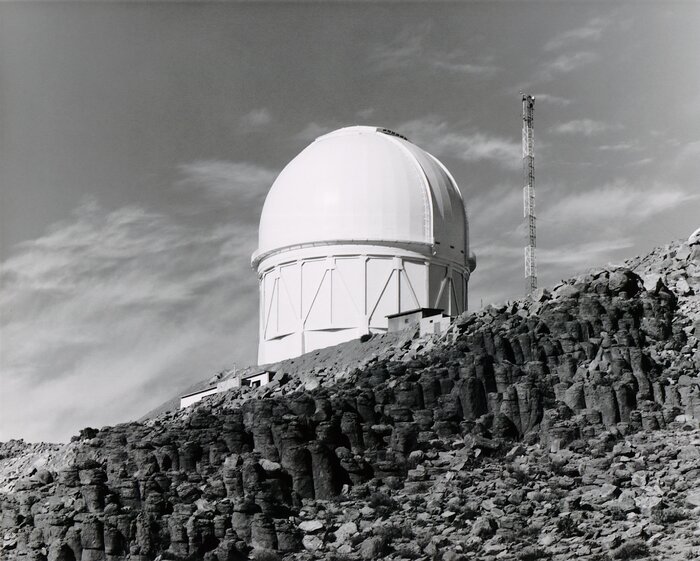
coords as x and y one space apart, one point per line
332 290
344 313
458 289
274 350
382 290
290 276
321 339
270 310
413 285
344 188
387 302
287 314
349 276
312 274
361 184
319 315
449 216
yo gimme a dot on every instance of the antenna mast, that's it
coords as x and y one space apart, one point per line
529 194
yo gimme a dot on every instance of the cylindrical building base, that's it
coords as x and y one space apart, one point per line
315 297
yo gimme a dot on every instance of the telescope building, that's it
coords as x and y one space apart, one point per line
360 225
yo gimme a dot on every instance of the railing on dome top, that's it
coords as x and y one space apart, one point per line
392 133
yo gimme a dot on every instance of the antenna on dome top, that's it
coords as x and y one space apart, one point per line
529 194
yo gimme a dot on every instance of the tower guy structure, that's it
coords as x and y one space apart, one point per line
529 194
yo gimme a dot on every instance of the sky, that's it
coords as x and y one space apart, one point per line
138 141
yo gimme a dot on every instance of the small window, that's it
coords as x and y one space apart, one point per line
255 384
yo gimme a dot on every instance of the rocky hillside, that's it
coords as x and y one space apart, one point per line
555 428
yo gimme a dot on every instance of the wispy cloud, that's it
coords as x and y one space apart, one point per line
591 31
110 313
495 209
313 130
690 150
620 147
576 230
466 68
255 120
443 139
410 49
224 182
583 254
460 62
365 113
619 201
552 99
400 52
565 63
586 127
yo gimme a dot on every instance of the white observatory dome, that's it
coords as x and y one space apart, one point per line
360 225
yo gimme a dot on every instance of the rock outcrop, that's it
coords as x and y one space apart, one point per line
556 427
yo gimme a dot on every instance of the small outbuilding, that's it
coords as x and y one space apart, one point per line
257 378
435 325
190 398
409 318
252 379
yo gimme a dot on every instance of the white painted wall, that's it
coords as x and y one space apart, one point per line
310 301
258 380
187 400
434 325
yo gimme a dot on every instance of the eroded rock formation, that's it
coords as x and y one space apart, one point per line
543 382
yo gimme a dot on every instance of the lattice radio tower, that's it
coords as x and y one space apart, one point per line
529 194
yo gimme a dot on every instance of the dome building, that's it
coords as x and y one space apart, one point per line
360 225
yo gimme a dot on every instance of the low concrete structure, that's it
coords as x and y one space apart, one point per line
404 320
251 378
194 397
257 379
435 325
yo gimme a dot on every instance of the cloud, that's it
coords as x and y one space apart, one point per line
500 271
576 230
256 120
583 254
365 113
586 127
548 70
620 147
409 50
112 312
468 68
313 130
565 63
690 150
495 209
402 51
552 99
614 205
591 31
443 139
224 182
